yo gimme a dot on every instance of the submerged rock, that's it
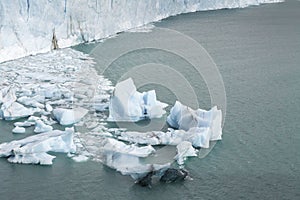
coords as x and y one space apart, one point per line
146 181
172 175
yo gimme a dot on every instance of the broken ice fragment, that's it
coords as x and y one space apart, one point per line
184 150
40 127
69 116
33 149
127 104
18 129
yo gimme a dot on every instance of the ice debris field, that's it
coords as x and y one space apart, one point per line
62 89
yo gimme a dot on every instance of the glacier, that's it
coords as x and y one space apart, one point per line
29 27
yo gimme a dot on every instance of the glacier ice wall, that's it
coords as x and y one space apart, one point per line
27 27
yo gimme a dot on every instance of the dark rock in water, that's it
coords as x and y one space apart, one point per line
172 175
146 181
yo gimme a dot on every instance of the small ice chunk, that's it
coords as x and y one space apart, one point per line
49 108
40 127
24 124
69 116
18 129
127 104
184 150
80 158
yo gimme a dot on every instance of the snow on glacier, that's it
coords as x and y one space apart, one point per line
27 27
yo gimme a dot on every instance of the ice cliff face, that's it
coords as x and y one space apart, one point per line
28 27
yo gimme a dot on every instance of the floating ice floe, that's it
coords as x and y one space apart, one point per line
33 149
127 158
18 129
127 104
69 116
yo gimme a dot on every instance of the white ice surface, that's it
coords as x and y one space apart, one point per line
127 158
199 137
33 149
41 127
69 116
26 26
127 104
18 129
183 117
184 150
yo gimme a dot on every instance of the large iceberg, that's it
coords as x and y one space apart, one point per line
28 27
33 149
127 104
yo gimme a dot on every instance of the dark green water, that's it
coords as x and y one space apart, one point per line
257 51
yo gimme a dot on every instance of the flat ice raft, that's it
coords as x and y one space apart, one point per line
33 149
127 104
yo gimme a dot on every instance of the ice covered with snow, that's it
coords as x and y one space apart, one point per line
33 149
27 29
127 104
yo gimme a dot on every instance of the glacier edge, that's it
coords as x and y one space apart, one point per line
27 27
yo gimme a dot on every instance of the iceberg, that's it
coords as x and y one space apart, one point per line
26 29
33 149
127 104
69 116
184 117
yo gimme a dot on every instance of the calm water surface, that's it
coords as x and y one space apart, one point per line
257 51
